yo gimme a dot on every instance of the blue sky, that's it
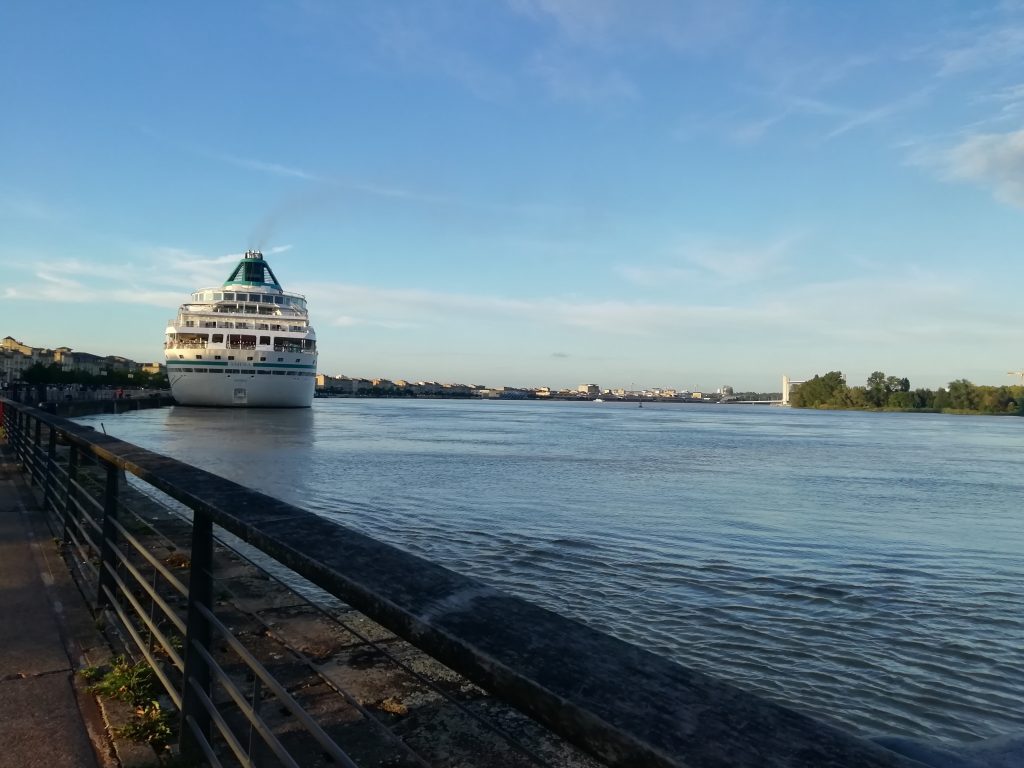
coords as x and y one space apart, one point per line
529 192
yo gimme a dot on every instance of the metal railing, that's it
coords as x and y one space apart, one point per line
620 703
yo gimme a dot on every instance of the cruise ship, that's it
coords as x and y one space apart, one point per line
247 343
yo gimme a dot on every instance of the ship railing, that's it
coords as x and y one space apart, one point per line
623 705
186 345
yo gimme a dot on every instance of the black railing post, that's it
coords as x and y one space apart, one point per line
51 463
15 433
69 491
108 563
22 450
37 451
197 636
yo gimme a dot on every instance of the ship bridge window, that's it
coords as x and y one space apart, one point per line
265 340
229 297
218 297
218 338
278 299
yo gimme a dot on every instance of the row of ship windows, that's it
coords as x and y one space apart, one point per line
243 326
229 371
232 357
256 298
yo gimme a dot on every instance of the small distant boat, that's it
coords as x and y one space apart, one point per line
598 400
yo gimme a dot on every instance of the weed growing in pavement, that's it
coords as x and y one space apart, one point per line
135 684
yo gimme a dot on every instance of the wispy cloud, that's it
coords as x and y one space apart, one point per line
880 113
143 279
18 205
616 24
275 169
753 131
429 310
990 160
694 258
987 48
325 180
431 40
570 81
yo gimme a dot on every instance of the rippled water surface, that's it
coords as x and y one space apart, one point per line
865 567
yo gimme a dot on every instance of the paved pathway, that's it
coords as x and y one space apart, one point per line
40 720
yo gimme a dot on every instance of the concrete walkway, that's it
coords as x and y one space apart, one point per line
41 720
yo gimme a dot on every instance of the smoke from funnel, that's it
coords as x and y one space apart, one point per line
291 209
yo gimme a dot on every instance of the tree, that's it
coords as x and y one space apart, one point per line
821 391
900 399
963 395
923 398
877 392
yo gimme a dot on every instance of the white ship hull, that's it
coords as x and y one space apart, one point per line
256 389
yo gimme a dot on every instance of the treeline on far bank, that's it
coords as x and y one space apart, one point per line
892 393
55 374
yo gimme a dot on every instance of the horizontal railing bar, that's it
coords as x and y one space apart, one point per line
277 689
169 687
83 557
204 745
85 535
169 613
224 728
150 624
162 569
83 496
245 708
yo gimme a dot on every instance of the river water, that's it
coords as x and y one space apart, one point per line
867 568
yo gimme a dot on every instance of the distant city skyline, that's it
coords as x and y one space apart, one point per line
529 192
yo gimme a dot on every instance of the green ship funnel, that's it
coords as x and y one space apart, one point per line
253 270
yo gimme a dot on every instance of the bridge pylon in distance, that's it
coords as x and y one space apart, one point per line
787 387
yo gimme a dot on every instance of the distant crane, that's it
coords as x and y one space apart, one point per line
1016 373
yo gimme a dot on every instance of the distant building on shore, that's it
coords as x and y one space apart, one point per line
17 357
348 386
